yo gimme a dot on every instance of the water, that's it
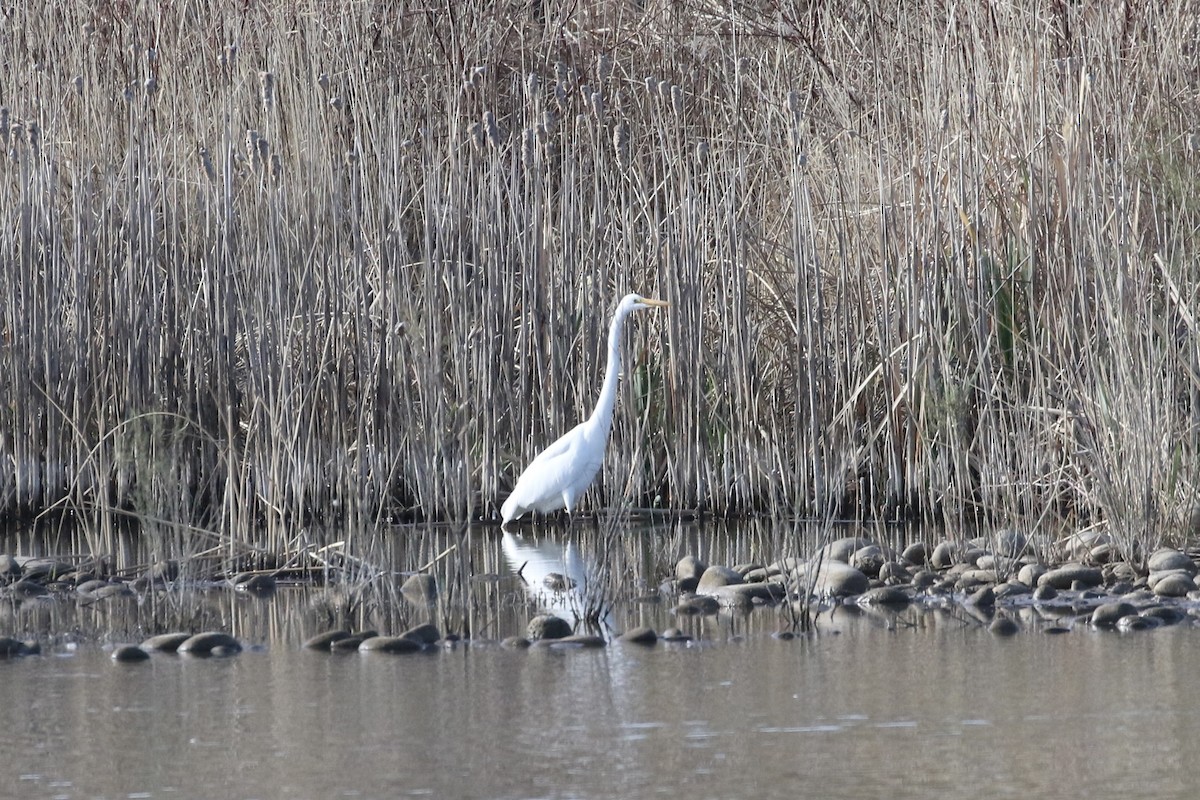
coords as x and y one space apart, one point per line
920 703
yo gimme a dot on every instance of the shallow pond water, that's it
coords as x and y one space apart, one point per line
918 702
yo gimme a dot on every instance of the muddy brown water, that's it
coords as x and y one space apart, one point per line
914 703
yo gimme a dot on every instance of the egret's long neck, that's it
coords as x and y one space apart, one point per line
602 415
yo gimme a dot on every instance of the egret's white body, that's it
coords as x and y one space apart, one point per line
563 471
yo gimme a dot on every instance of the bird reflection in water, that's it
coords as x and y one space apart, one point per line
555 573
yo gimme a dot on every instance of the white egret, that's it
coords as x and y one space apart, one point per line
562 472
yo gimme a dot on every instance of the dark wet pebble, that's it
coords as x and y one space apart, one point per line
547 626
351 642
1054 630
1072 576
129 653
1108 614
27 587
10 647
717 576
388 644
166 642
1044 593
261 583
515 642
325 640
640 635
204 644
9 568
44 569
420 589
1003 626
423 634
689 567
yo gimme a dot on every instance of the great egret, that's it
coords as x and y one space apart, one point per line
562 472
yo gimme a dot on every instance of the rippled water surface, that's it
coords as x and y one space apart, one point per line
910 704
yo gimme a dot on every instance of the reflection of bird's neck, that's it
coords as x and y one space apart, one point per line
601 418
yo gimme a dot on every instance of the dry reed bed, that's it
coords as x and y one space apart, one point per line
347 261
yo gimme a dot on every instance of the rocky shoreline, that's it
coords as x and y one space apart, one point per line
1002 582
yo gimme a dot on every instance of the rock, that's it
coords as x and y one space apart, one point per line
323 641
44 569
1004 626
128 653
675 635
689 567
576 640
557 582
916 554
388 644
1068 575
424 634
158 574
700 604
841 549
351 643
9 568
1030 573
1167 615
547 626
716 576
894 572
1009 543
946 554
835 579
1136 622
746 594
10 647
972 578
515 642
640 635
1168 559
420 589
1011 589
27 587
259 583
923 579
1174 584
113 590
885 596
984 597
1044 593
166 642
1107 615
204 644
868 560
1080 545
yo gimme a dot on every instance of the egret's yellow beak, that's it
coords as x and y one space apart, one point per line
658 303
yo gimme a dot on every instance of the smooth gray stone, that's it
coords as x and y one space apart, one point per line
985 597
698 605
841 549
836 579
1030 573
423 634
675 635
203 644
166 642
689 567
388 644
1136 622
1009 543
1072 576
916 554
946 554
255 583
547 626
717 576
1174 584
350 643
640 635
10 647
576 640
747 594
1107 615
325 640
1168 559
515 642
129 653
1012 589
869 560
885 596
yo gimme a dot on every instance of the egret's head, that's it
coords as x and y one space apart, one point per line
636 301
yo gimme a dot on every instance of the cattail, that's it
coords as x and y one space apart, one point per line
34 132
323 81
529 146
663 90
77 82
266 85
793 102
677 100
604 67
492 129
150 85
651 84
549 122
562 72
560 96
4 119
206 162
477 76
621 142
532 85
597 104
336 102
944 119
87 29
252 137
477 139
702 152
352 156
276 166
264 150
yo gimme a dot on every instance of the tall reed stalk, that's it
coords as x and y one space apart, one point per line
269 263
